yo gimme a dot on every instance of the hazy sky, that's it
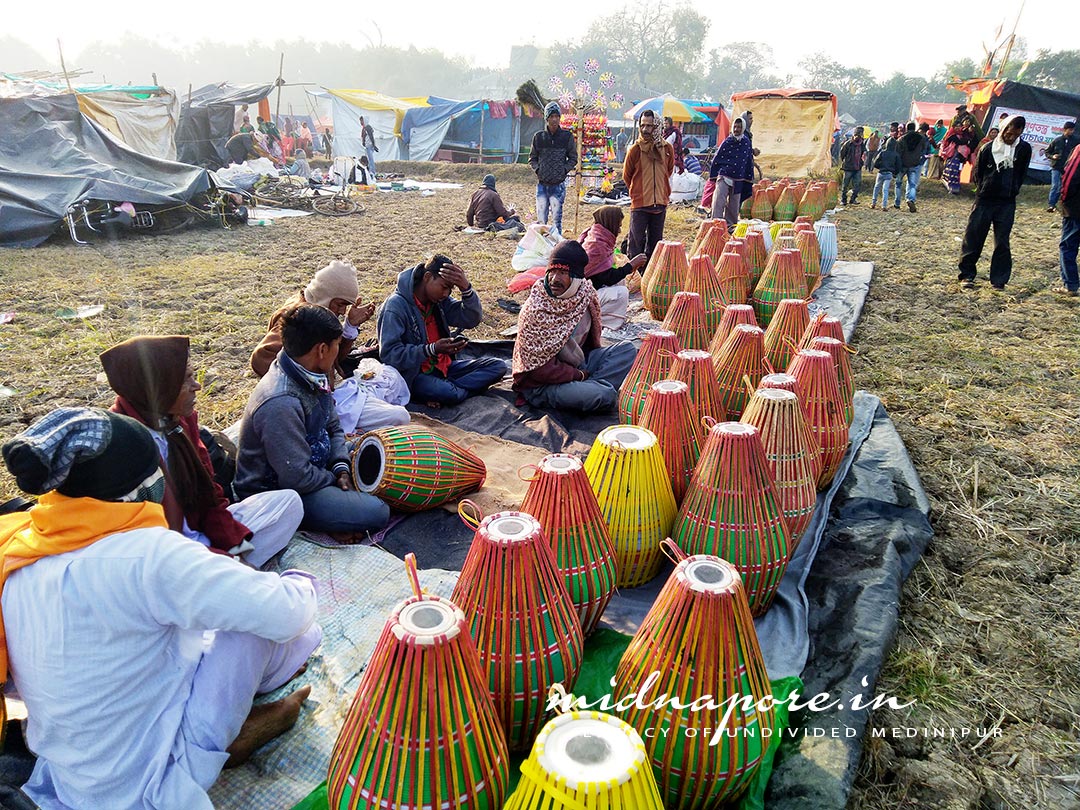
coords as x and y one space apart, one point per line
882 35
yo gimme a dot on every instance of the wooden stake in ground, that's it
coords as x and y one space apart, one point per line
67 78
280 82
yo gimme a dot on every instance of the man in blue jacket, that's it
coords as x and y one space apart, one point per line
553 156
414 334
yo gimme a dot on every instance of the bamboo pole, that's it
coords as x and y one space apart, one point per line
63 66
280 82
577 183
480 154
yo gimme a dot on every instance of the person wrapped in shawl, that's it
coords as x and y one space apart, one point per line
733 164
599 240
958 148
558 361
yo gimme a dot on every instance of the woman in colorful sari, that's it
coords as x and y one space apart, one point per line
958 148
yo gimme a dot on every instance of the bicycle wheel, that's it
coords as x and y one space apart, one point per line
336 206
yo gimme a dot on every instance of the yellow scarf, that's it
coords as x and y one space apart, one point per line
58 524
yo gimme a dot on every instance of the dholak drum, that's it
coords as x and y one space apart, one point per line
827 243
591 759
413 469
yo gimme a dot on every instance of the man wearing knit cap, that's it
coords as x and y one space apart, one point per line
136 653
334 288
553 156
486 208
558 362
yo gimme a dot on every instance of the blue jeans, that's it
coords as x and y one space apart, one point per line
852 180
884 180
1055 187
549 200
607 369
463 378
1070 242
371 158
332 509
911 175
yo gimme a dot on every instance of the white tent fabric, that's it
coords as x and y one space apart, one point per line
147 125
347 139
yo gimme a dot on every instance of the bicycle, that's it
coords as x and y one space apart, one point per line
342 202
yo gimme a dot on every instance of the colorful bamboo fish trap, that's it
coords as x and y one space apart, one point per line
664 277
740 362
670 414
806 242
792 452
839 353
696 369
822 325
760 207
734 315
812 203
586 761
784 207
627 473
740 229
746 209
712 245
816 374
785 382
786 329
562 501
686 318
756 256
414 469
832 193
526 629
699 636
652 363
783 278
778 229
703 280
785 241
704 227
422 732
826 235
733 510
803 220
733 279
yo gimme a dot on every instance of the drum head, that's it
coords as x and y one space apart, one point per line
779 378
427 619
368 464
511 527
775 394
670 387
560 464
708 575
693 354
587 749
629 437
735 428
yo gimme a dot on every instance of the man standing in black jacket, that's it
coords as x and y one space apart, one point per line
999 172
913 150
553 156
1058 154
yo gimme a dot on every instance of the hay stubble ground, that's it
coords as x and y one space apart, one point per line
984 388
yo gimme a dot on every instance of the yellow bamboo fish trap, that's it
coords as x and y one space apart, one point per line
788 324
414 469
652 363
792 451
733 510
734 315
562 501
824 406
686 318
586 761
525 626
627 473
699 636
696 369
422 732
664 276
740 362
670 414
703 280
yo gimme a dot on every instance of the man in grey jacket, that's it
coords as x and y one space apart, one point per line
553 156
290 437
414 334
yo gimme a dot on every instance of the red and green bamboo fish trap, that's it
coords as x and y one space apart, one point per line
760 207
807 244
652 363
734 315
783 278
699 637
414 469
785 330
756 256
705 228
703 280
822 325
733 510
838 350
714 241
816 374
670 414
733 278
422 732
686 318
792 452
696 369
741 361
561 499
586 760
525 626
627 473
812 203
784 207
664 276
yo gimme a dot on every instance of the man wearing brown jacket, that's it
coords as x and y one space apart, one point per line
647 174
486 209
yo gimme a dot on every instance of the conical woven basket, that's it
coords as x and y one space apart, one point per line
525 626
696 369
733 316
703 280
757 255
792 451
715 240
562 501
806 242
733 278
686 318
663 277
760 207
627 474
822 325
670 414
782 337
839 352
704 227
784 207
740 362
652 363
733 510
783 278
816 374
422 730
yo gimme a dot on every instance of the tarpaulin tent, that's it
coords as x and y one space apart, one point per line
930 112
207 120
1045 110
426 129
792 127
385 115
492 129
53 156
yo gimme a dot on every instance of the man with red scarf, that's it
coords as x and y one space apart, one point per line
1070 224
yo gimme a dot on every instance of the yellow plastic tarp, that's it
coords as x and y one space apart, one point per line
794 135
371 100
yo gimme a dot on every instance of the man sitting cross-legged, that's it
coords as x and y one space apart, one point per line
290 436
558 362
136 653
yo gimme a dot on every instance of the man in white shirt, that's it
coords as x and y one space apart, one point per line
136 653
